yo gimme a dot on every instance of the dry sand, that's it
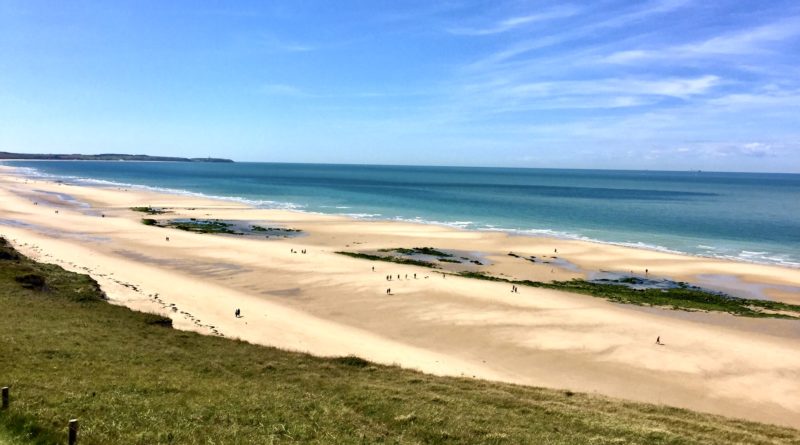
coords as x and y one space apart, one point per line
328 304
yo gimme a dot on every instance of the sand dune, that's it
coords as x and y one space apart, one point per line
329 304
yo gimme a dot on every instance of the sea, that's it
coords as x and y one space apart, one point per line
753 217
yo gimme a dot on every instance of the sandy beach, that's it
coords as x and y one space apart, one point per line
328 304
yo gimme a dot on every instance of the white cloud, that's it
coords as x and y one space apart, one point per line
769 98
623 89
651 8
680 88
573 33
750 41
515 22
726 149
756 149
279 89
281 45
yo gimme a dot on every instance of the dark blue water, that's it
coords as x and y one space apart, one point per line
750 216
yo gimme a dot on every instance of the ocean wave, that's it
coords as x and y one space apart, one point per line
370 216
750 253
763 258
420 220
79 180
549 233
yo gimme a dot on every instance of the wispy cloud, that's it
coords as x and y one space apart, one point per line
648 9
749 41
671 87
278 44
755 149
279 89
512 23
292 47
575 33
512 96
722 149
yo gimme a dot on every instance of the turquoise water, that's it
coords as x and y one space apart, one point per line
747 216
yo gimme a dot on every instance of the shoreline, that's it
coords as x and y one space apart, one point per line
327 304
289 206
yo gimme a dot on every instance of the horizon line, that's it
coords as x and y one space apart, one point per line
402 165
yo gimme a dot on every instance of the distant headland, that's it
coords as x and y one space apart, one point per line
105 157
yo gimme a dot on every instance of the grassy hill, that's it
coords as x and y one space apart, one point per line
132 379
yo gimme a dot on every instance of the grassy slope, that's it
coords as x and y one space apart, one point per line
67 353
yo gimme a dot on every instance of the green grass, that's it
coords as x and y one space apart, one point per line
203 226
194 225
130 379
149 210
255 228
390 259
448 260
213 226
418 251
683 298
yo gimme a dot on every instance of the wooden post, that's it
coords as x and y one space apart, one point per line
73 431
5 397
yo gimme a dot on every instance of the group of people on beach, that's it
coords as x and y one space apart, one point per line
301 251
389 277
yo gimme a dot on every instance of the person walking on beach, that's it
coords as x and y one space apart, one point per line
237 313
389 291
167 238
373 268
658 340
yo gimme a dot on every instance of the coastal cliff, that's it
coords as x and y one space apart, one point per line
104 157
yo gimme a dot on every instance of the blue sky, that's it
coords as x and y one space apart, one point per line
661 84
